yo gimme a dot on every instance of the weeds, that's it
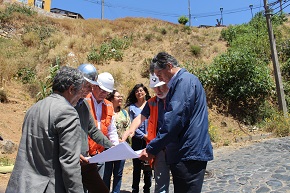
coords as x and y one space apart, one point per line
145 68
278 124
42 32
213 133
46 87
195 50
5 161
26 75
3 96
109 50
15 8
149 37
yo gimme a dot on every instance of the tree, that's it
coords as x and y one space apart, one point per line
182 20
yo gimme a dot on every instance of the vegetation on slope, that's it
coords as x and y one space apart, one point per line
238 78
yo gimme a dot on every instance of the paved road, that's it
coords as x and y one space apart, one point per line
256 168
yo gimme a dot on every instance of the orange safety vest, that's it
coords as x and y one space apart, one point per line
107 114
153 118
152 122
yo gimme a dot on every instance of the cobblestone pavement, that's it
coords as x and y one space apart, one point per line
257 168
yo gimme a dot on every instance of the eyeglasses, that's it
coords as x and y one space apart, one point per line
119 97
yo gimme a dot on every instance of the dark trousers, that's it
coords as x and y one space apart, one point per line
138 144
115 167
92 180
188 176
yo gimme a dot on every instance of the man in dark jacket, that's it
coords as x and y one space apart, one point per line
90 176
185 129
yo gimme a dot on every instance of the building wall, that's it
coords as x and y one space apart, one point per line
43 4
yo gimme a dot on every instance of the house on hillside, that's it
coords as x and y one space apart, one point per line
66 13
42 4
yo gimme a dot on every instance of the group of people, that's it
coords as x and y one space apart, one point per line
84 116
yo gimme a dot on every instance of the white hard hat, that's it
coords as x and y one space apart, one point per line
154 81
90 73
106 81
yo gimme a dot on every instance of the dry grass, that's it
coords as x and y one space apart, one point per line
70 41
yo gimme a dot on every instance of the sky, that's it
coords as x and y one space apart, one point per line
203 12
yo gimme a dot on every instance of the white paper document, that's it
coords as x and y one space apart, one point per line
121 151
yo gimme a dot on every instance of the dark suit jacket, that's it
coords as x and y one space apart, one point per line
49 150
89 128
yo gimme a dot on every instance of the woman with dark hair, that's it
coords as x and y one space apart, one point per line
122 122
136 101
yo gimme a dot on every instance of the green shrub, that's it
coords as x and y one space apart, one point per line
286 86
183 20
163 31
26 75
43 32
20 8
195 50
238 81
109 50
239 76
186 29
15 8
94 56
283 50
285 70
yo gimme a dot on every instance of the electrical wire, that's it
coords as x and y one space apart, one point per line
282 9
283 6
176 15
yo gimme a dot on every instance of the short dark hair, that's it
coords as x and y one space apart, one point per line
161 60
66 77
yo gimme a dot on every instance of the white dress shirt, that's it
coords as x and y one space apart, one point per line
112 130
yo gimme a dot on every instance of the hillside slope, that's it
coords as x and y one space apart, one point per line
31 44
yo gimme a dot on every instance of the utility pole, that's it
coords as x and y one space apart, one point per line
102 10
189 15
222 19
281 9
277 72
251 7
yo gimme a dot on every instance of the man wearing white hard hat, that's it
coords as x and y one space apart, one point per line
154 112
102 111
90 176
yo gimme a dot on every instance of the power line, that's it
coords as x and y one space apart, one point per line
175 15
282 5
282 9
138 10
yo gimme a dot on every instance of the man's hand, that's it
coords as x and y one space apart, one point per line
145 137
83 160
145 156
